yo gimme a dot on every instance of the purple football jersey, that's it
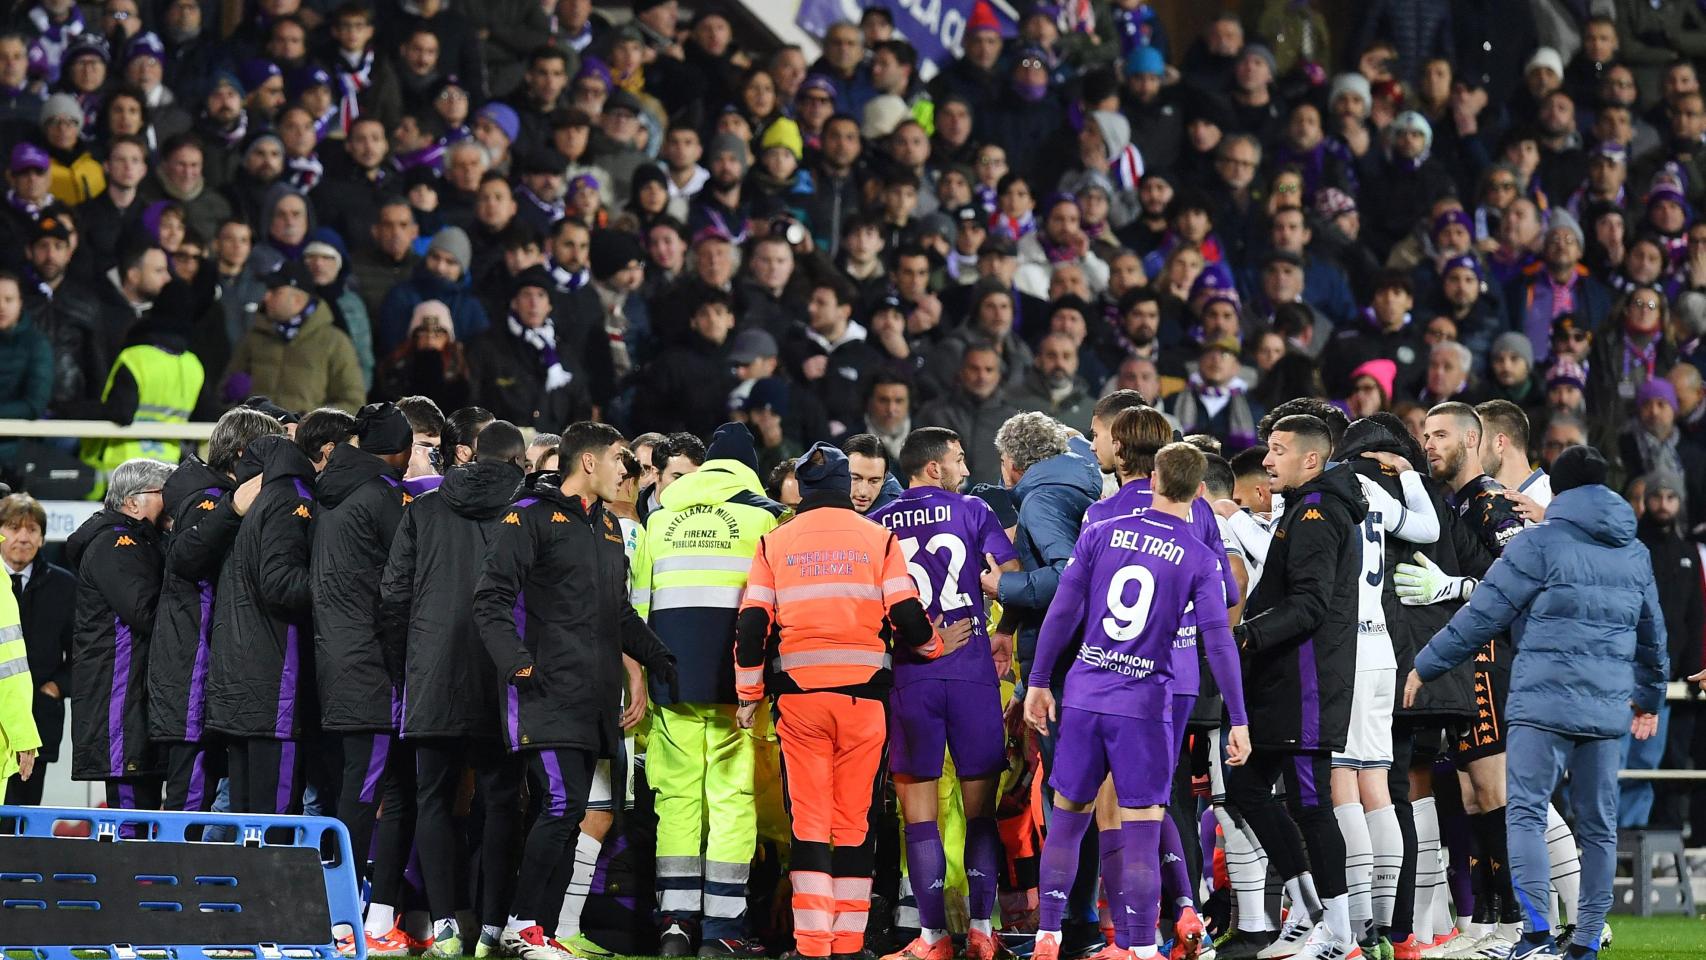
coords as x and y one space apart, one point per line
1137 497
944 536
1126 588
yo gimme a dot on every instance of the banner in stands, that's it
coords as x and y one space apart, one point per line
935 27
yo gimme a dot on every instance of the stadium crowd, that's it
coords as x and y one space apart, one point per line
554 359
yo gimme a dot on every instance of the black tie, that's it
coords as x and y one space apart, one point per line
18 586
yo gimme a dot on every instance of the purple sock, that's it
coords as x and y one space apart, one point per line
1176 890
1210 832
1458 837
927 865
984 853
1111 843
1059 865
1142 879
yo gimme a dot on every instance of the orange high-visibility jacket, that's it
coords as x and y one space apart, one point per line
826 583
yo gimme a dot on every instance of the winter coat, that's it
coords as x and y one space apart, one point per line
203 525
509 380
262 603
553 596
119 567
48 613
1074 409
317 369
361 501
1676 570
686 388
1299 632
1578 595
26 377
1022 129
1051 497
71 321
976 422
391 325
426 598
1451 698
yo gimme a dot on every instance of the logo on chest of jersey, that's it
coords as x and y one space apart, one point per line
1372 627
1125 664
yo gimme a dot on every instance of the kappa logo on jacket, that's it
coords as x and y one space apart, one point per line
559 518
1310 514
302 511
124 541
205 505
514 518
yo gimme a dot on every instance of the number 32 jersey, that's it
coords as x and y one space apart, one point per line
944 537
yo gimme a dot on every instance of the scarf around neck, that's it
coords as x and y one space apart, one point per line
543 340
289 329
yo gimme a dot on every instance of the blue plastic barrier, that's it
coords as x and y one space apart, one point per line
143 886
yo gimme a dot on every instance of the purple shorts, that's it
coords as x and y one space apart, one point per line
1139 753
927 717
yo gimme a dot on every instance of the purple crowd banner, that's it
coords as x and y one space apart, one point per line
936 28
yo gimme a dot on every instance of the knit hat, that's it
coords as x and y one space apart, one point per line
1412 121
534 276
1656 388
226 78
1467 262
1450 217
260 137
502 116
751 344
595 68
829 476
454 241
290 273
305 78
258 71
436 312
1567 373
784 133
1562 220
88 44
1261 50
819 83
325 242
770 393
381 428
145 44
1145 61
62 106
1513 342
882 115
732 441
1577 466
726 143
612 251
1383 372
1610 150
173 310
1548 58
1331 202
1351 84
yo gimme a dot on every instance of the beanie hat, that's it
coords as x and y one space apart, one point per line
1548 58
1656 388
1567 373
829 476
258 71
382 428
732 441
1450 217
784 132
62 106
882 114
726 143
770 393
1261 50
1467 261
1145 61
534 276
1383 372
1577 466
145 44
454 241
502 116
1562 220
1332 202
612 250
326 242
1514 342
260 137
1351 84
1412 121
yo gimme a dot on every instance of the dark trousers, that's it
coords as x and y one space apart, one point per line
193 771
27 793
376 767
1307 776
266 776
439 765
560 779
134 793
1398 785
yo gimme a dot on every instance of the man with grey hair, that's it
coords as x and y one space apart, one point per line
1448 372
117 554
975 409
1052 384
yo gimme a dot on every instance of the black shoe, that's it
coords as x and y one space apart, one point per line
674 942
1241 945
1081 940
731 948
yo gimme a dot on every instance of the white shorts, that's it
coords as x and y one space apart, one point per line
598 795
1368 745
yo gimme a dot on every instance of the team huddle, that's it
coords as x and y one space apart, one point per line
1253 662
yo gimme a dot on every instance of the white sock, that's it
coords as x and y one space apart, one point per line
1508 931
1566 864
906 907
932 937
1388 843
445 929
984 927
1310 897
1299 905
1359 863
1144 951
1244 870
380 919
517 924
1338 910
1048 933
574 899
1426 819
492 930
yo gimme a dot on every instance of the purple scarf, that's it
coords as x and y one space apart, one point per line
288 329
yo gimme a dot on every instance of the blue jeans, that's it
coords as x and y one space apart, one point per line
1536 761
1635 799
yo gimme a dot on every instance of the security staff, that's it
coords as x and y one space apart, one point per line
119 566
18 738
686 579
827 593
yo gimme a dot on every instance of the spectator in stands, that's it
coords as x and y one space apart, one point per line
29 198
975 408
518 372
1401 182
293 353
66 314
128 289
1052 385
1634 348
180 176
830 355
442 275
430 362
1557 283
1448 376
1387 331
76 176
1652 443
1215 401
992 322
26 363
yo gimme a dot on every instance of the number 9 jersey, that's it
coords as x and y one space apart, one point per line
944 537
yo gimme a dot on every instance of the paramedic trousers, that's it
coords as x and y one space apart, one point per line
701 765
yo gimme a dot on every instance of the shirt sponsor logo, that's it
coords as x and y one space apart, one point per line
1126 664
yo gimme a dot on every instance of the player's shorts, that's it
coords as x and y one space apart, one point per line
1368 743
1485 737
927 717
1430 744
598 794
1139 753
